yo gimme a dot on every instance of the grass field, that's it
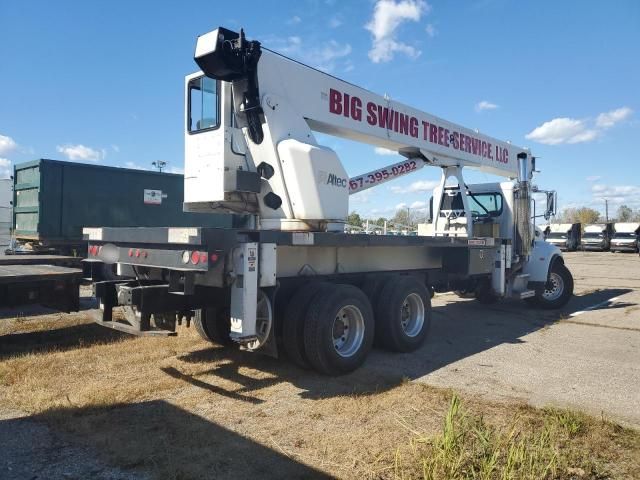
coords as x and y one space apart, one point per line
182 408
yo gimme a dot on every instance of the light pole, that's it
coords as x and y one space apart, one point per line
159 164
606 210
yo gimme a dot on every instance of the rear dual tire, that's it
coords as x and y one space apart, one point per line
403 314
338 329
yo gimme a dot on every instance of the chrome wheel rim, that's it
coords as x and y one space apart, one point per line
412 315
348 331
554 287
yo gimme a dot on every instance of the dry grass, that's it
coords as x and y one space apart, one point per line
181 408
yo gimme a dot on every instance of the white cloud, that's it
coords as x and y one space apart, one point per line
572 130
384 151
135 166
388 15
7 144
361 197
431 30
609 119
5 168
294 20
335 21
617 194
485 105
324 57
593 178
115 148
81 152
418 205
562 130
415 187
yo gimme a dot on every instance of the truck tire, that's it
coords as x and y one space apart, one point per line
557 291
338 330
293 322
484 294
403 314
214 325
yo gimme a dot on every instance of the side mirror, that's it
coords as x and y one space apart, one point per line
551 205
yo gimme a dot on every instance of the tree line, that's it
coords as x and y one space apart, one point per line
584 215
589 215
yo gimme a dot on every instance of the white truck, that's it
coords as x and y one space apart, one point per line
291 280
597 237
565 236
625 238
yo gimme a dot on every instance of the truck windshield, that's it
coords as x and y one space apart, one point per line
625 235
557 235
592 235
482 205
203 109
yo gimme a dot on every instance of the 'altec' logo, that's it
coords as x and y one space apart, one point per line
327 178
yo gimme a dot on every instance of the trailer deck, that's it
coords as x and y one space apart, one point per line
53 286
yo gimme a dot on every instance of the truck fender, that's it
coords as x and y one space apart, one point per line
543 256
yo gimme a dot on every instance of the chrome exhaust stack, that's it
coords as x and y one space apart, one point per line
524 237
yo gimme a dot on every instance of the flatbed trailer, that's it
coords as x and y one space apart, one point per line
59 260
52 286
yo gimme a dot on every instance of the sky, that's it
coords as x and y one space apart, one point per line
102 82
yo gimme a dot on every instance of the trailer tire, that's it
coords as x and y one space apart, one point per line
294 320
403 314
339 329
214 325
557 291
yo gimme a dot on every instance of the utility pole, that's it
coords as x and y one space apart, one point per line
606 209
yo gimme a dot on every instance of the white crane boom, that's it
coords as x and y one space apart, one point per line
278 104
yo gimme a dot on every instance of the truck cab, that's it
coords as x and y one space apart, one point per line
597 237
565 236
625 238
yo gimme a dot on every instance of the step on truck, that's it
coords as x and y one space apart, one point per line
290 280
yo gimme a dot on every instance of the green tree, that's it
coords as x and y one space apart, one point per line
354 219
582 215
625 214
401 217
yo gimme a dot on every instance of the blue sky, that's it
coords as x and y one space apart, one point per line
102 81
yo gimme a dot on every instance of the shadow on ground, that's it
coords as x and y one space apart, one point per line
59 339
86 303
148 440
460 329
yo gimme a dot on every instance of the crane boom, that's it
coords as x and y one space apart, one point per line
335 107
278 103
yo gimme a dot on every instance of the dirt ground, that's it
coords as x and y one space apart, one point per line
80 401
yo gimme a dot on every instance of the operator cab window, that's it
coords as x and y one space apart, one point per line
482 205
485 205
203 111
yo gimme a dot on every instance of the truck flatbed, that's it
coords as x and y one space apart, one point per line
53 286
59 260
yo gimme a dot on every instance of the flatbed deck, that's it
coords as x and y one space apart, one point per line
50 285
59 260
